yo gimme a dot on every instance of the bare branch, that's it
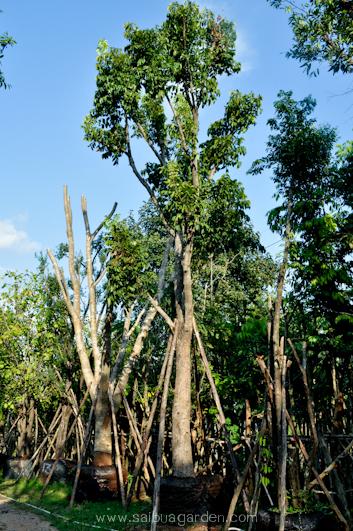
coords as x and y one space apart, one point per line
97 355
142 180
161 312
70 239
145 328
107 218
124 342
61 281
150 143
137 321
180 127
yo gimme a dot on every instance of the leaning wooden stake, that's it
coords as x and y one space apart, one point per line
54 465
334 464
221 416
83 450
146 434
160 448
300 443
316 474
240 486
117 449
309 400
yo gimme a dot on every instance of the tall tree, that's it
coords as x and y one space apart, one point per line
103 370
35 339
299 156
154 91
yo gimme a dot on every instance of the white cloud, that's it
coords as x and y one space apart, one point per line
16 239
245 53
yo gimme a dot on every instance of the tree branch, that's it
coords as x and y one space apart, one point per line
107 218
150 143
179 124
142 180
97 355
161 312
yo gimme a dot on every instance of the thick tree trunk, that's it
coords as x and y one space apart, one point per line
64 425
103 423
25 429
181 432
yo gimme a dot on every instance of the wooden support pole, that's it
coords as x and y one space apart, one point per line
146 435
302 448
117 449
72 427
83 449
221 416
162 418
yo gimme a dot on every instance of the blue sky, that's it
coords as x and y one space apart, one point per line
52 73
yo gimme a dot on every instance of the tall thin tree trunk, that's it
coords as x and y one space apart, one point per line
103 423
181 432
279 378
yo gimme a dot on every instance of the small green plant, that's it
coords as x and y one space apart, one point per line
267 457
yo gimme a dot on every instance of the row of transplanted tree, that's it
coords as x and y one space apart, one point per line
174 346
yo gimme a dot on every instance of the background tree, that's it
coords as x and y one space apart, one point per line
299 155
35 341
322 32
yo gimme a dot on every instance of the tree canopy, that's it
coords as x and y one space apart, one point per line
323 32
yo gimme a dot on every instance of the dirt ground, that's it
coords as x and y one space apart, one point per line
13 518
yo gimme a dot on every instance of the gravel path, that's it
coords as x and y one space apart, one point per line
12 518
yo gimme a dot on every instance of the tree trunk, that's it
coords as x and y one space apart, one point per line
25 429
181 432
294 475
279 361
103 423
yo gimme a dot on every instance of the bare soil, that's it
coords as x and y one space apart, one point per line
13 518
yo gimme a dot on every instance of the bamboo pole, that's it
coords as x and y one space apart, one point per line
146 435
117 449
83 449
162 418
59 453
221 416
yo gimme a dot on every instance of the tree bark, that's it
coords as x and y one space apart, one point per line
280 436
181 431
103 423
161 435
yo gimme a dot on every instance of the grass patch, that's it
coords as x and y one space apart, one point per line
106 514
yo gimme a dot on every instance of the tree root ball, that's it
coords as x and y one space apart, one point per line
195 495
98 483
62 472
16 467
315 521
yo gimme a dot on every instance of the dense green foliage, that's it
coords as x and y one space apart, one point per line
323 32
35 339
176 64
